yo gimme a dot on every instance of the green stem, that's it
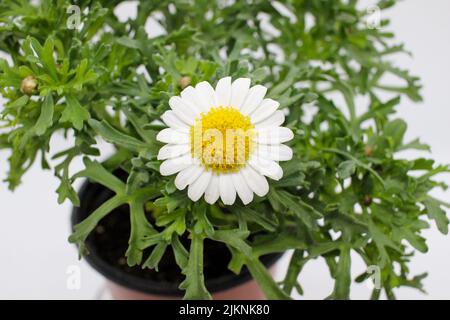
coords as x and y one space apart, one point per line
295 267
265 280
83 229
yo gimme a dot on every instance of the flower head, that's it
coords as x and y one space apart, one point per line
224 142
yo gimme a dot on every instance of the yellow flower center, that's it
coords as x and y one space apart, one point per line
222 139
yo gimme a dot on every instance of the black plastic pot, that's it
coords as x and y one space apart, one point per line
107 256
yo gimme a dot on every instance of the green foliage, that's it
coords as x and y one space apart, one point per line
347 191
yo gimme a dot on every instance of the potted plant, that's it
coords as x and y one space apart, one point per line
217 168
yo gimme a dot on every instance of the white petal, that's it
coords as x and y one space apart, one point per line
239 91
172 136
257 182
277 152
175 165
265 110
207 93
182 110
190 96
223 92
226 189
187 176
173 151
275 120
212 193
242 189
171 120
198 187
254 98
275 135
267 167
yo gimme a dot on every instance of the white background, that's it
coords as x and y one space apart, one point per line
35 256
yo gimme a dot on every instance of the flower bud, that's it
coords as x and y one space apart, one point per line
28 85
184 82
367 200
368 150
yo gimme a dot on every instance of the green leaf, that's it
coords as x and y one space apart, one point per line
194 284
346 169
180 252
114 136
415 145
265 281
19 103
257 217
324 248
156 256
202 225
140 229
46 118
277 243
95 172
382 241
74 113
296 265
357 161
438 214
380 109
395 130
66 191
83 75
343 276
45 55
172 202
409 234
235 239
129 43
307 213
84 228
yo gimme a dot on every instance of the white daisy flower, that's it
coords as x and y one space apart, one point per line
224 142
